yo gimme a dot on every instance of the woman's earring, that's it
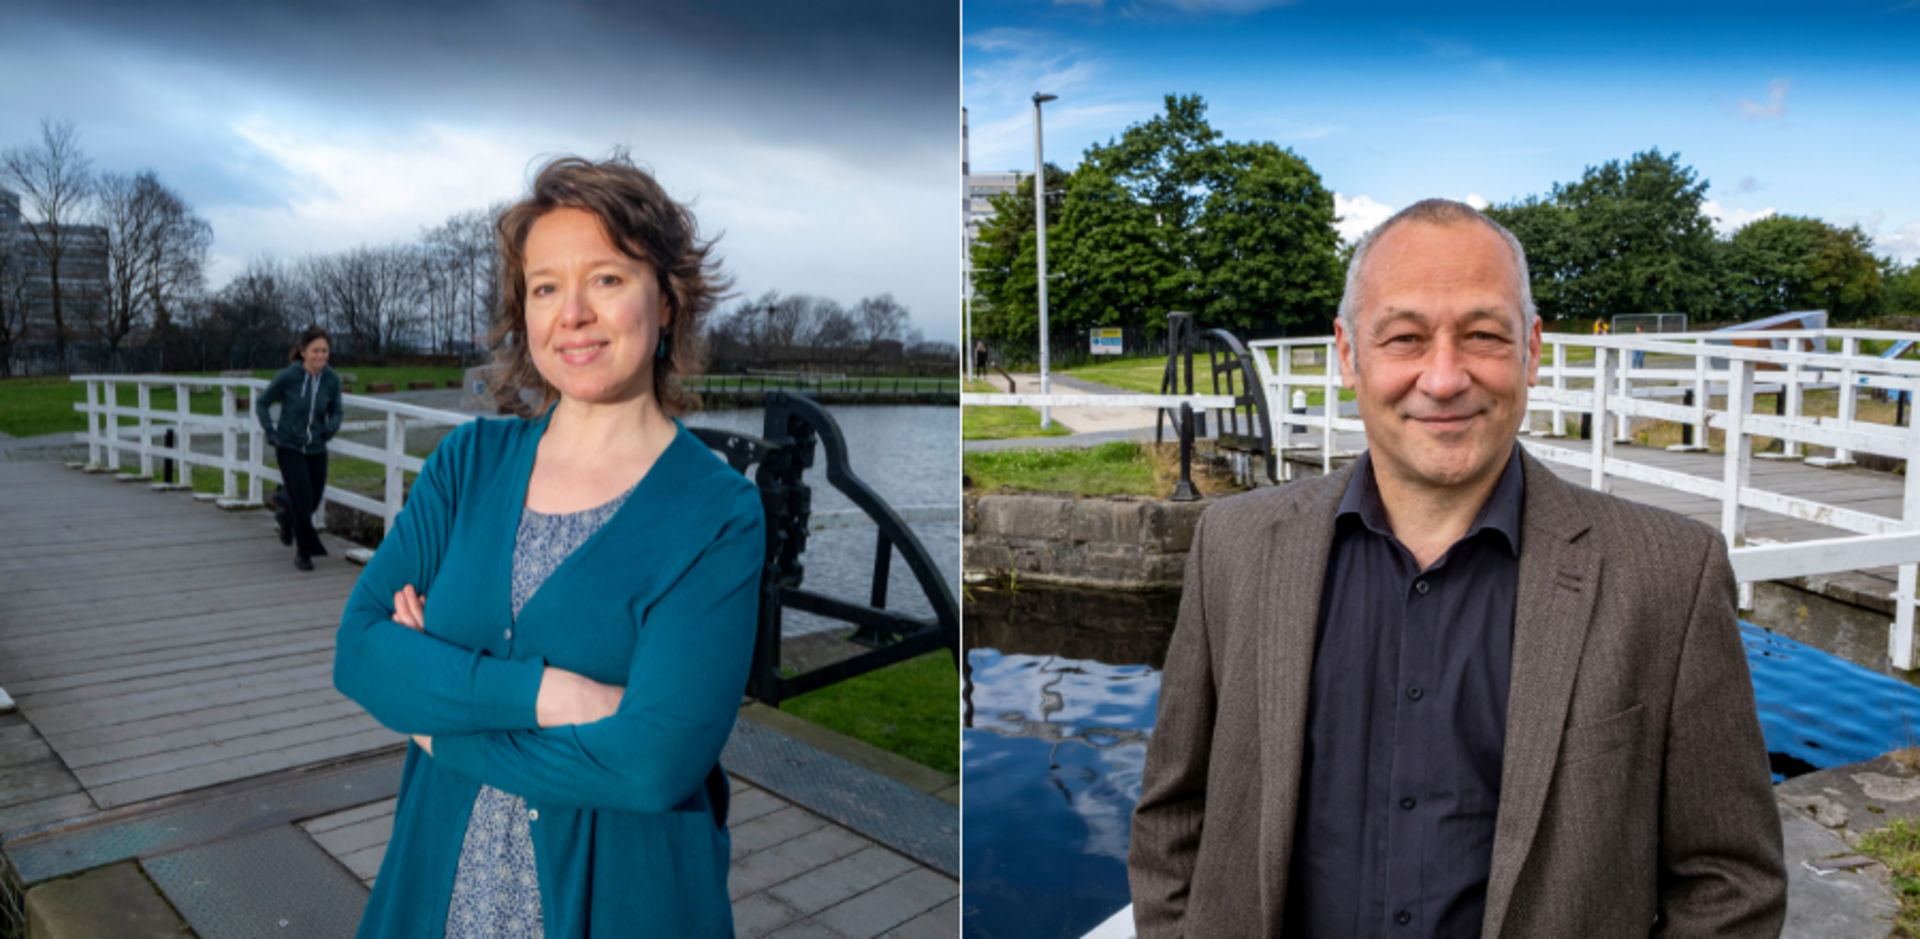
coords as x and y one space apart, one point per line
661 353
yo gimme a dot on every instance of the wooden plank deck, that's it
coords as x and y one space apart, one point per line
793 873
158 645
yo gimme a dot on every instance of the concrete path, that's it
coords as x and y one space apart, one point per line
1088 420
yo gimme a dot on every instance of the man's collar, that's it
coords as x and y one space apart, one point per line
1501 512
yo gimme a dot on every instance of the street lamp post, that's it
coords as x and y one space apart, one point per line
1040 231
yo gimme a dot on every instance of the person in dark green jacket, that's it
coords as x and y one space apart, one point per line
308 393
563 615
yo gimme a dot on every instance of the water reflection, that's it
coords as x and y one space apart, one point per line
1060 689
907 454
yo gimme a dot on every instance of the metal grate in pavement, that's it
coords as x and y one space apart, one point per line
274 882
902 818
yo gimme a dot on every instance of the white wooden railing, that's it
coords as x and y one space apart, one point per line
108 440
1706 367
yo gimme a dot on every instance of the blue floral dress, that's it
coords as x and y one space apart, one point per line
496 894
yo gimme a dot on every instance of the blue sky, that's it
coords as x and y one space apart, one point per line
1804 110
819 138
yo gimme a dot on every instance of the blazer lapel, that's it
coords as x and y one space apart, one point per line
1559 579
1295 554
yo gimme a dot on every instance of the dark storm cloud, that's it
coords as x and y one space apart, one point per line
821 137
825 74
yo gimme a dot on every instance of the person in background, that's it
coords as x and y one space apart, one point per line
308 393
979 358
594 572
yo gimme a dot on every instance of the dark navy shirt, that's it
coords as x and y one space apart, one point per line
1406 725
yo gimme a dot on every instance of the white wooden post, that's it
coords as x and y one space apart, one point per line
1739 461
1558 429
1900 642
1848 390
1700 409
93 425
1603 364
1330 402
396 448
229 445
256 453
1623 422
1791 447
144 395
183 438
1283 401
113 425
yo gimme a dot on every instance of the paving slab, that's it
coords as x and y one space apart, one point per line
114 901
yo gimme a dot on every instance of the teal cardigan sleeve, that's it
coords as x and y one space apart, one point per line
412 682
683 692
275 390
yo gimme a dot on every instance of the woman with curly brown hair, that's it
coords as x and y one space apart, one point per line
594 571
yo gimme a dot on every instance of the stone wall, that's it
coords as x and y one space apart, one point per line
1124 543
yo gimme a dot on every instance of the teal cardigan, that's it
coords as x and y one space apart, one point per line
628 814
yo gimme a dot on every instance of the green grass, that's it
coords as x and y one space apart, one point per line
1119 468
979 423
31 407
1898 847
911 709
1137 375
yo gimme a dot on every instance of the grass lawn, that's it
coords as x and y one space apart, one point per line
1002 423
30 407
911 709
1898 847
1119 468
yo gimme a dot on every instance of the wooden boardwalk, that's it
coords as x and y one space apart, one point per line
159 645
163 652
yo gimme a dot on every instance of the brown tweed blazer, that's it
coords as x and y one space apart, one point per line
1634 797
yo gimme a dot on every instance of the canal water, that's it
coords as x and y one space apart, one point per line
1059 692
909 455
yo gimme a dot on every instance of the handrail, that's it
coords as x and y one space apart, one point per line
1612 391
105 446
794 424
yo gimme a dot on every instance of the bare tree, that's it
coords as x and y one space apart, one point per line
156 252
881 319
251 311
372 297
54 179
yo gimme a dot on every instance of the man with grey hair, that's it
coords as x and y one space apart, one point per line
1442 692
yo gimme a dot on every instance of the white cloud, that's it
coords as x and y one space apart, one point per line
1727 221
1358 216
1776 105
1903 243
1476 200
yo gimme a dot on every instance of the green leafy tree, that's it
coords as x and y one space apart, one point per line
1902 295
1266 247
1005 304
1627 238
1787 262
1112 256
1173 217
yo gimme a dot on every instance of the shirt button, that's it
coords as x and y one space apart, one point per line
533 815
1403 917
509 634
1420 587
1408 803
1414 692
